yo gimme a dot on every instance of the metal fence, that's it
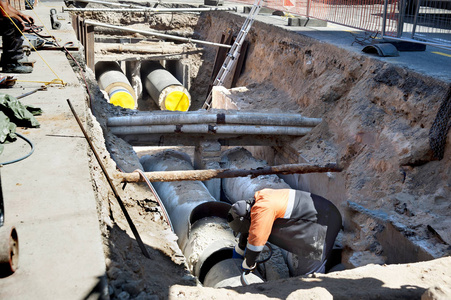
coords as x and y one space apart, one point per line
424 21
427 21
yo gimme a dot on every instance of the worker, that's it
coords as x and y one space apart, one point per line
13 56
288 219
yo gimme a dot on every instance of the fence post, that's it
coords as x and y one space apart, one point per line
417 11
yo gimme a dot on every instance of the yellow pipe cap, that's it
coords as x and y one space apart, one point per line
122 99
177 100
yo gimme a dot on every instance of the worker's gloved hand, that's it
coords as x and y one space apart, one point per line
246 269
238 252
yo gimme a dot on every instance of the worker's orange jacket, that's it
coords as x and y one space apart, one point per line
286 218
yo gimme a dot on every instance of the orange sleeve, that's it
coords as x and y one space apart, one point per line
269 205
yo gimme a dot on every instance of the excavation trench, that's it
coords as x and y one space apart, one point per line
374 121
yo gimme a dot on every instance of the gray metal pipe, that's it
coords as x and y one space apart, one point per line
198 219
150 9
167 92
154 33
209 129
111 79
108 3
224 117
244 188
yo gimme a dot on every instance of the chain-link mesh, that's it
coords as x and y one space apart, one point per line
440 127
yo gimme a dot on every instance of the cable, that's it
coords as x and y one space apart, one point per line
165 213
81 72
243 280
110 182
269 256
22 158
21 32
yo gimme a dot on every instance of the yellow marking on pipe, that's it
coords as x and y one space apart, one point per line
177 100
123 99
441 53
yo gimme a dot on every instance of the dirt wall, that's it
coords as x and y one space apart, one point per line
376 121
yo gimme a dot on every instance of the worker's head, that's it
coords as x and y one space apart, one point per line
239 216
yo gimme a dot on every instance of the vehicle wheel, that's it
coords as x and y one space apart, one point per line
9 250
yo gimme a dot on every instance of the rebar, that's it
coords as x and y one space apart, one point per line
116 194
203 175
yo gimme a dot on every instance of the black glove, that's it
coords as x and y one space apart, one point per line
246 269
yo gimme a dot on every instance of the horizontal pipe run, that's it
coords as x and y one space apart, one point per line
202 175
209 129
219 118
108 3
153 10
154 33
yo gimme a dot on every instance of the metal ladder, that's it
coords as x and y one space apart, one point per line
234 52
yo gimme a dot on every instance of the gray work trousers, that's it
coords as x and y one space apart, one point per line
12 41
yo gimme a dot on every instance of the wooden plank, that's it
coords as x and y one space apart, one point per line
74 24
82 31
220 57
240 63
89 47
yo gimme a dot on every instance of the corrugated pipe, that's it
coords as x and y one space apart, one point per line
207 117
111 79
167 92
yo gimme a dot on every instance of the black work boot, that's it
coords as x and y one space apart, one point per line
17 68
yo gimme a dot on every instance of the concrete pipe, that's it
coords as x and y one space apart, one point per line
9 250
111 79
227 273
167 92
243 188
198 219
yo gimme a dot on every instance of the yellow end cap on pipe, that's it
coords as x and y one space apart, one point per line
177 100
122 99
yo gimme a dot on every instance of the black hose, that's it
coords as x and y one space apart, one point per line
269 256
22 158
243 280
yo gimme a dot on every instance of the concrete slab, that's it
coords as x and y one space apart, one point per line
49 195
